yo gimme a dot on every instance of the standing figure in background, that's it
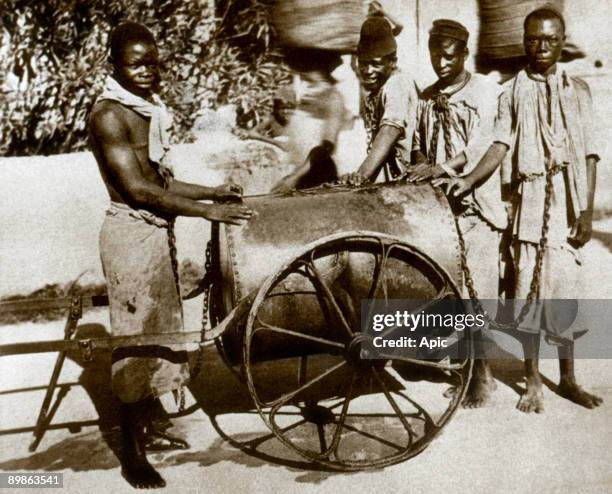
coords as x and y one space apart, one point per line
454 130
314 125
545 122
389 104
129 127
275 125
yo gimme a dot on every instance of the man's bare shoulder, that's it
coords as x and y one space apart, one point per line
108 119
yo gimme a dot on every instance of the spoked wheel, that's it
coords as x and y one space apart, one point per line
303 360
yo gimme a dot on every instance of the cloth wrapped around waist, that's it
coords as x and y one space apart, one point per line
144 299
119 209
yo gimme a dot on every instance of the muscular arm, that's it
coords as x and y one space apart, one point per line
225 192
381 147
121 164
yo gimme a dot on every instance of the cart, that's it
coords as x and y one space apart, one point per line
283 296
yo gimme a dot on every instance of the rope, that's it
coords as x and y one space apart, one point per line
443 115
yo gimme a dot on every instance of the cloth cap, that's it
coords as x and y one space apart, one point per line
449 29
376 39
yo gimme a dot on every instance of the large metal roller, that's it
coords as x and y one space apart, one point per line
282 226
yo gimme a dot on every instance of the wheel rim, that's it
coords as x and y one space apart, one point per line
354 414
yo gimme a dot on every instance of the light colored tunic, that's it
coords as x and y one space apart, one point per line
547 124
395 104
526 104
472 110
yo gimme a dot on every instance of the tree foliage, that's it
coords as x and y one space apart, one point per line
53 62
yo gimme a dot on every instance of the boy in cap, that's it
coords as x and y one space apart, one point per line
129 136
544 121
389 103
453 131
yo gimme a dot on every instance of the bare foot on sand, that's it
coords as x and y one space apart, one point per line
141 475
575 393
479 391
532 400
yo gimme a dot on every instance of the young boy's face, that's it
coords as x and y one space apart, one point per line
373 73
447 58
138 68
544 40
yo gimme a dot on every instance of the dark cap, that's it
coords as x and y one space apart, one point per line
449 29
376 39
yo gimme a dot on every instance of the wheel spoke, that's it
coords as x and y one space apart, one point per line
253 443
441 295
393 404
340 424
378 273
283 400
328 295
421 412
379 270
426 363
372 436
276 329
322 442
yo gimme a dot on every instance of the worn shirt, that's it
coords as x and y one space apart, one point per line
471 113
532 120
395 104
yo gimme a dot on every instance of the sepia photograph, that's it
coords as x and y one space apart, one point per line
306 246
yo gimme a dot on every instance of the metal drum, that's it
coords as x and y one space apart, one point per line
246 256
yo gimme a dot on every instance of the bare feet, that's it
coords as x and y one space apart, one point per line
478 392
532 400
140 474
575 393
135 467
480 387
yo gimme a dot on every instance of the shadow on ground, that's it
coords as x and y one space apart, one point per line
219 394
604 237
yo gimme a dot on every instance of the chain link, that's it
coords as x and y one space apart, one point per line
537 269
197 367
167 177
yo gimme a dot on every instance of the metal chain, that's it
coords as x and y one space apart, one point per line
167 176
537 269
197 367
